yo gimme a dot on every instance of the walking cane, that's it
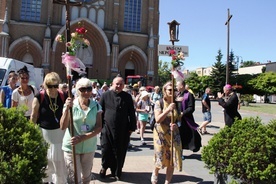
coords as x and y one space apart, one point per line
69 80
172 122
176 75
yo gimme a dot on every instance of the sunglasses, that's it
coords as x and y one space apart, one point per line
52 86
24 78
88 89
169 89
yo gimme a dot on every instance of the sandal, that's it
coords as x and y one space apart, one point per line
205 132
154 179
199 130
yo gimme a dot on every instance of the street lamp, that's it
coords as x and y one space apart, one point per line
173 31
238 61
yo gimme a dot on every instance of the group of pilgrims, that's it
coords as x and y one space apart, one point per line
108 112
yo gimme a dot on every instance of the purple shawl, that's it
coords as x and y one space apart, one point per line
190 118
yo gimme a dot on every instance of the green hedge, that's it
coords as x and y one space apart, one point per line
246 151
23 153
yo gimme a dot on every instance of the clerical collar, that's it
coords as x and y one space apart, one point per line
180 93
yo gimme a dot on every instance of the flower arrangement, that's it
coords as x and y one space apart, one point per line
177 62
176 58
77 41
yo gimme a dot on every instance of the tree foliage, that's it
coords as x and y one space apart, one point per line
264 83
218 74
242 82
205 82
247 64
232 64
23 152
198 83
164 72
193 82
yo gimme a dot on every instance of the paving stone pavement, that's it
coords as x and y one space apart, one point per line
139 160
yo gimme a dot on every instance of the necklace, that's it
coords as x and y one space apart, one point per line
53 107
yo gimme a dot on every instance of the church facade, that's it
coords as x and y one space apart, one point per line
123 35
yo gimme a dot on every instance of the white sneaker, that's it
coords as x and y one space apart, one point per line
143 142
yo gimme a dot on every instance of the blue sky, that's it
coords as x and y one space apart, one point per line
203 30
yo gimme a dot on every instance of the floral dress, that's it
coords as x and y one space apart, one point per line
162 143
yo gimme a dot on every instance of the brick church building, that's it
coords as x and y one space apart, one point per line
123 35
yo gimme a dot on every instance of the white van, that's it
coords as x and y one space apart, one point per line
9 64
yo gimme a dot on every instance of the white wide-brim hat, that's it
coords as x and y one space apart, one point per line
143 94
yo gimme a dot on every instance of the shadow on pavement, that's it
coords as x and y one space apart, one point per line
144 177
193 156
213 126
206 182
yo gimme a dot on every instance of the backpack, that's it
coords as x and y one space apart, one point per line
42 95
152 118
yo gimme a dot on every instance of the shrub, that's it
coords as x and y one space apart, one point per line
247 97
247 151
23 153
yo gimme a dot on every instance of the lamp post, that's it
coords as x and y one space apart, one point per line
173 32
228 43
238 61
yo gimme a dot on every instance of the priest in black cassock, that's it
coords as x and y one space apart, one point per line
119 121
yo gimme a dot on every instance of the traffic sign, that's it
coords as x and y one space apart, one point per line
164 50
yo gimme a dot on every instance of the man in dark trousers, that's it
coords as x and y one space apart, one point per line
190 137
119 121
230 105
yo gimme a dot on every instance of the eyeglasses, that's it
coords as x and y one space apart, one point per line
83 89
169 89
24 78
52 86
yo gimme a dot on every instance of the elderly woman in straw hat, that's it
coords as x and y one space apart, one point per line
143 109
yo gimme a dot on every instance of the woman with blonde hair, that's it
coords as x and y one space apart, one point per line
46 112
163 129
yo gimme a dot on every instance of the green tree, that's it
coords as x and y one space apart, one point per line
205 82
218 74
232 65
194 82
247 63
164 72
242 81
264 83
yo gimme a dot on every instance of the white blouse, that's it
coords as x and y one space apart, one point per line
24 100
